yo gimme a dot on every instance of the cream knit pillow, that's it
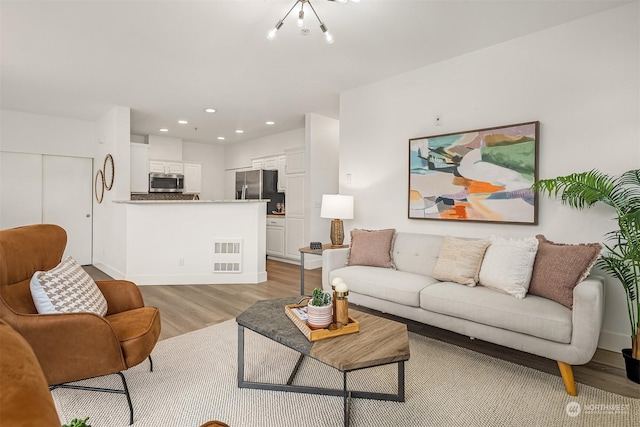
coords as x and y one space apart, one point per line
508 264
66 288
460 260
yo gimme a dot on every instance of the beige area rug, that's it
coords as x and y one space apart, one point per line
195 380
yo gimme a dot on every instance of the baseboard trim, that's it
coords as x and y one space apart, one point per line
614 341
107 269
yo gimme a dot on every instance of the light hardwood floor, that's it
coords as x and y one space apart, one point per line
185 308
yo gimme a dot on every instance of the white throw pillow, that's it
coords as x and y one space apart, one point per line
508 264
66 288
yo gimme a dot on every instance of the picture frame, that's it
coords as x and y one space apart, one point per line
480 175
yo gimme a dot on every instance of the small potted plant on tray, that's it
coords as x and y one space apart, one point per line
77 422
320 310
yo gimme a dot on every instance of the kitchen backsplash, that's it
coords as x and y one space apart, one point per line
165 196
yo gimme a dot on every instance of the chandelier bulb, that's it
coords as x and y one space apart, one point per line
272 34
327 35
301 18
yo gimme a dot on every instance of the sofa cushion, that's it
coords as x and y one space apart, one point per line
533 315
508 264
416 253
460 260
371 247
560 267
66 288
386 284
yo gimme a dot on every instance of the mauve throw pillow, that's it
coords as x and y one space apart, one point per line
559 267
371 247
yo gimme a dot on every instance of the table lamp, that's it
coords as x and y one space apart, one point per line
337 207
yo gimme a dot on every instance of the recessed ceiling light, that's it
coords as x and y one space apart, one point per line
209 110
239 131
271 123
221 138
183 122
164 130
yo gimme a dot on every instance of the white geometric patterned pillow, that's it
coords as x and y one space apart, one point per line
66 288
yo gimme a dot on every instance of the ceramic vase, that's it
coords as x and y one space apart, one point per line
319 317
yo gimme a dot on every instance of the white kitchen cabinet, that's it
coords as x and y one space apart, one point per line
156 167
275 237
270 163
159 166
296 233
295 194
139 168
174 167
295 160
282 170
295 237
257 164
192 178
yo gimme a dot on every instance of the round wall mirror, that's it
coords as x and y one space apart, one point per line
109 172
98 186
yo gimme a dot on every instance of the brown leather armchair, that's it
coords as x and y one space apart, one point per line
25 400
72 346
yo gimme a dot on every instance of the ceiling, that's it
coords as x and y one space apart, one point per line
168 60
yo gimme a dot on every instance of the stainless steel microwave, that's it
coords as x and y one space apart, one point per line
166 183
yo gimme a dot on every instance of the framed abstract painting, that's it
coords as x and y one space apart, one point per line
478 175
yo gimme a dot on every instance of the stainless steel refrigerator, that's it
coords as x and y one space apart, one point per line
256 184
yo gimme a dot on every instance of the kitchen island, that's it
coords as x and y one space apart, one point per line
192 242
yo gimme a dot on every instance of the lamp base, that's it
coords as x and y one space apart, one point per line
337 233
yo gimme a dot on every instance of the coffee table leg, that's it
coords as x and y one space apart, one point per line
240 355
400 381
347 400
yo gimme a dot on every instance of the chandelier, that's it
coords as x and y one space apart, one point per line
328 37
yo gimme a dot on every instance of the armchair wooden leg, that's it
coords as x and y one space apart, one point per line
567 376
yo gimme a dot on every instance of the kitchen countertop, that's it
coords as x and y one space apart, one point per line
168 202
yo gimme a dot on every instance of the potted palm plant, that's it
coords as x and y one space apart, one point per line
621 258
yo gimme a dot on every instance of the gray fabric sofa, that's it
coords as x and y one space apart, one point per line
534 324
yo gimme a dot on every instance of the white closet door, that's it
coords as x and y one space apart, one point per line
67 200
20 189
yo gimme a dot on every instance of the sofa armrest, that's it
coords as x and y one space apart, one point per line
588 312
332 259
121 295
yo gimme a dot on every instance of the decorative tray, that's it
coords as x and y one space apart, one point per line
320 334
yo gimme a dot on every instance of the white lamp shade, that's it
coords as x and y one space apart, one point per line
337 206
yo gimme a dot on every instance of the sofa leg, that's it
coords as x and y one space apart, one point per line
567 376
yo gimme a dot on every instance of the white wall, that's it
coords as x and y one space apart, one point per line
109 219
580 80
239 155
39 134
164 148
322 150
211 157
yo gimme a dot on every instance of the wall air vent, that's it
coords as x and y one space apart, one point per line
227 256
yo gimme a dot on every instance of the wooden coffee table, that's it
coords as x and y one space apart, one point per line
379 342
